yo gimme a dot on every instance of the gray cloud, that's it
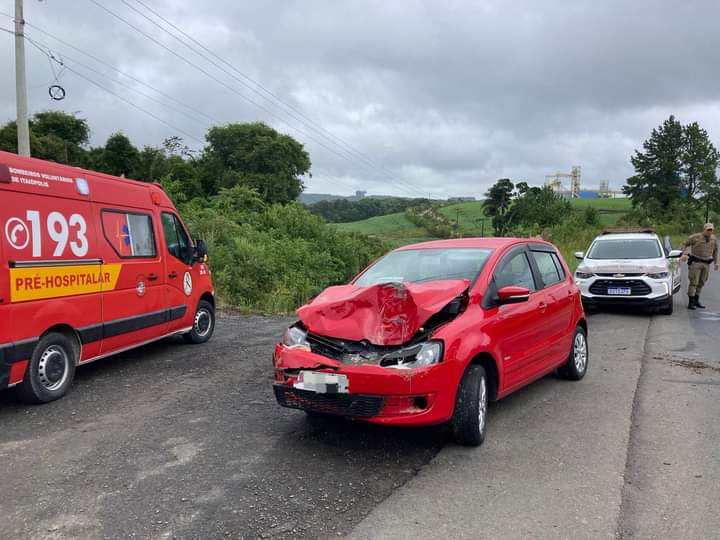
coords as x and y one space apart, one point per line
444 97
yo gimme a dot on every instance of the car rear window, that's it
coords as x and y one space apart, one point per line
625 249
422 265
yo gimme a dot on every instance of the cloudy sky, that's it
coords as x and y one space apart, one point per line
390 96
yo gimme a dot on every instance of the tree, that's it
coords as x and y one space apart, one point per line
119 157
54 135
658 183
539 207
700 162
498 200
255 156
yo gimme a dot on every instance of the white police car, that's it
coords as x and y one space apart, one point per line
629 267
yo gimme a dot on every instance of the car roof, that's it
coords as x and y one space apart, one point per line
627 236
479 243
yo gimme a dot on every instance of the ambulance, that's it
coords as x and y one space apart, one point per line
90 265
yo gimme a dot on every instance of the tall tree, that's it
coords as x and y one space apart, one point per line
700 162
119 157
255 156
498 201
658 183
54 135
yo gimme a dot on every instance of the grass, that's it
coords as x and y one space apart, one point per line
387 227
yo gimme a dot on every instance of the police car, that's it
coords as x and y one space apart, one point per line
629 267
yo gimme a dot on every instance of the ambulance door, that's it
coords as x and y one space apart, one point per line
178 270
134 311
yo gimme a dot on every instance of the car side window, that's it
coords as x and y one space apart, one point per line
130 234
515 271
547 266
177 240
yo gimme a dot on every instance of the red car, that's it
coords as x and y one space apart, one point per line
430 333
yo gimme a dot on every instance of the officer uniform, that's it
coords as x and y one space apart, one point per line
701 250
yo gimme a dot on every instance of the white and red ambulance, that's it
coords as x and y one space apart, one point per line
90 265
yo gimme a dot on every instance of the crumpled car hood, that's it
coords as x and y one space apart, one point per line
384 314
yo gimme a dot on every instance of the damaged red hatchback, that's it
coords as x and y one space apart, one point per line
431 332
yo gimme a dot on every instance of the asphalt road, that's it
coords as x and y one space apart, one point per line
173 440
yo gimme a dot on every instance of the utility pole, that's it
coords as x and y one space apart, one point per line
23 128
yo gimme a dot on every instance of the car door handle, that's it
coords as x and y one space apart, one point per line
152 277
542 306
172 275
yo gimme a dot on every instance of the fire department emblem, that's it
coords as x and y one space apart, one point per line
140 288
187 284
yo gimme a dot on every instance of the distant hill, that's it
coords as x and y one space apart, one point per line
312 198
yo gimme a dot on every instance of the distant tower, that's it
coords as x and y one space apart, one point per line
575 175
360 194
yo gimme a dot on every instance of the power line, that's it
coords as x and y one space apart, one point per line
411 190
124 74
308 122
65 57
50 55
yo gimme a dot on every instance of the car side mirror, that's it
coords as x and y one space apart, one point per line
201 251
675 254
512 295
580 255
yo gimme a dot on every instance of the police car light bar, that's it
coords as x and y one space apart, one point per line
626 230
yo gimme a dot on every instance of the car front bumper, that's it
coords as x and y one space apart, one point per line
644 291
381 395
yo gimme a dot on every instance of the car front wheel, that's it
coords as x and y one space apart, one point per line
469 420
576 366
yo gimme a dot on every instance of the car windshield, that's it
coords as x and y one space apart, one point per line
420 265
625 249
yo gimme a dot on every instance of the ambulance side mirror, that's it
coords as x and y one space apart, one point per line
201 251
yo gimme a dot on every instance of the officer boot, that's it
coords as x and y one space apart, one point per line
691 302
697 302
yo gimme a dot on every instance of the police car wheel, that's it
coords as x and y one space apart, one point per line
203 324
51 369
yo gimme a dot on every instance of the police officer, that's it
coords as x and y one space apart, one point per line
700 251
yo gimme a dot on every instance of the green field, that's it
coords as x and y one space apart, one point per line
396 229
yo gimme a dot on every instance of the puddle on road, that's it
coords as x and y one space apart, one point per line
709 315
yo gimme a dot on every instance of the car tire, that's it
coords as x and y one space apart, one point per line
668 308
203 323
469 421
51 370
576 366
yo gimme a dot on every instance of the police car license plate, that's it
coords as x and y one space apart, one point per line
322 383
620 291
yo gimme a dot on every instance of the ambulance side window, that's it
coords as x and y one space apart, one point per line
130 234
177 240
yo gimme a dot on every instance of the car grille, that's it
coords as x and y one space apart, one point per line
637 287
624 274
356 405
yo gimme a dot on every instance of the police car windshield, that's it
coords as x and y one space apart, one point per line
425 265
625 249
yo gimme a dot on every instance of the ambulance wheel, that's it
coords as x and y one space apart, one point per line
203 323
51 369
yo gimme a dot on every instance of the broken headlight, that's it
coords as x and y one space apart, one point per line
421 355
296 338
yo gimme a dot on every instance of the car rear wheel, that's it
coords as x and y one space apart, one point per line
51 369
203 323
576 366
469 420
